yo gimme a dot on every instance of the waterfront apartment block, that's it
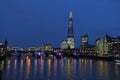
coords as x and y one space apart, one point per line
108 45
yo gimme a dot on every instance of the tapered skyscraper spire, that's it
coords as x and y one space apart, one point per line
70 27
69 43
70 35
70 14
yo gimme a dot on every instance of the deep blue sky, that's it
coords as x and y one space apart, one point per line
33 22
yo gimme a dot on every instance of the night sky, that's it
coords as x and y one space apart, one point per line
27 23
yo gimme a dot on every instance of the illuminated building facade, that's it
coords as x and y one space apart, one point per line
114 46
46 47
108 45
64 45
86 48
102 46
84 40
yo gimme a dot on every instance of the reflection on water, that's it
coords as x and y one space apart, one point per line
58 69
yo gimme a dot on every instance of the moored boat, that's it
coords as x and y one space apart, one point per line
117 61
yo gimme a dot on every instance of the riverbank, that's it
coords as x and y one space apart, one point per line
108 58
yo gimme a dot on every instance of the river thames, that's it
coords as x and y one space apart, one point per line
50 68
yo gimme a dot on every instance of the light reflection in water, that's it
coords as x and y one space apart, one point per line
58 69
55 68
1 68
49 67
8 64
8 68
117 72
35 64
27 67
35 68
41 67
14 71
21 64
1 65
68 69
15 64
21 69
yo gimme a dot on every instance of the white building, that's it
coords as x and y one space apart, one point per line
102 46
46 47
64 44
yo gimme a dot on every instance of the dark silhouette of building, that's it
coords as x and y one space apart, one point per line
4 47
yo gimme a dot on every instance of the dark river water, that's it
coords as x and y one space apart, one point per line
58 69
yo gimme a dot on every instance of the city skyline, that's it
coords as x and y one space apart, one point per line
32 23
